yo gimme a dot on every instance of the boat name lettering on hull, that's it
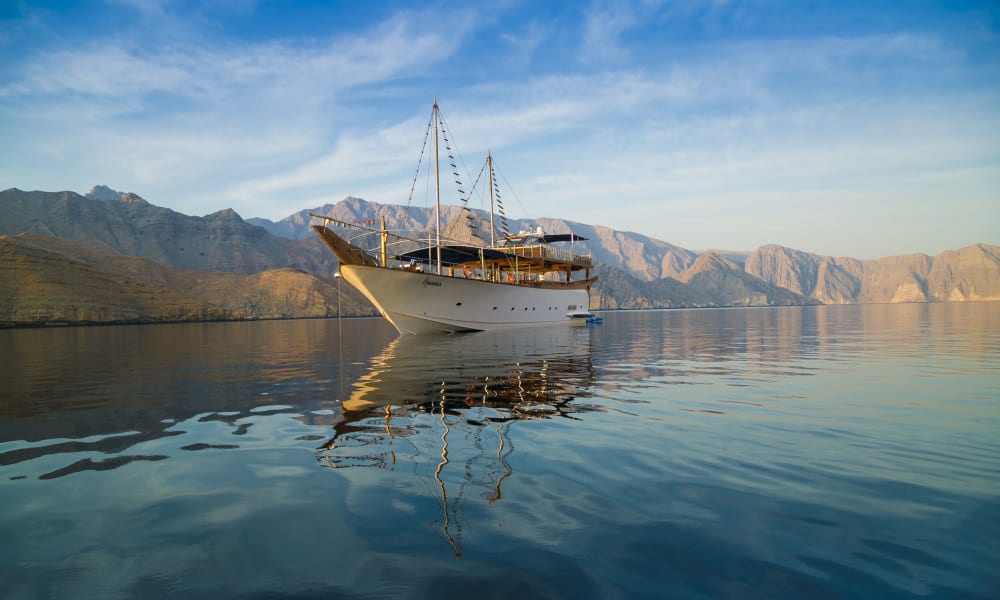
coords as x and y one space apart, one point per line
427 282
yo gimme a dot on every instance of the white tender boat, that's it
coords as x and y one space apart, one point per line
515 280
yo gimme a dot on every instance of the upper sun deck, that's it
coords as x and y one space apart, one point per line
548 254
537 245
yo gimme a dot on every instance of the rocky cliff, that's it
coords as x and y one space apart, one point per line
719 278
971 273
46 280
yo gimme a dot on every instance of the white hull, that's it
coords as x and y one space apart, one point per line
416 302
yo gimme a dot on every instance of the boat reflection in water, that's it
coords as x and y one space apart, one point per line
442 407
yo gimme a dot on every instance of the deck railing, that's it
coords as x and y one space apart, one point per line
550 253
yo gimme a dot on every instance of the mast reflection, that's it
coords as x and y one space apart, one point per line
445 405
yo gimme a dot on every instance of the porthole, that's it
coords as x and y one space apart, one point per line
458 304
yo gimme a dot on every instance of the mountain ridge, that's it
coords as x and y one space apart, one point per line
635 271
816 278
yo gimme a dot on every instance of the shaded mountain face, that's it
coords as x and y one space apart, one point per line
178 267
54 280
723 283
128 225
712 281
42 284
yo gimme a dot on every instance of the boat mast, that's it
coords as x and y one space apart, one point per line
489 178
437 190
383 239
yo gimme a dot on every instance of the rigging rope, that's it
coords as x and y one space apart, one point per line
504 227
420 160
469 217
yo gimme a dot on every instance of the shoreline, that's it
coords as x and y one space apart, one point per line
4 325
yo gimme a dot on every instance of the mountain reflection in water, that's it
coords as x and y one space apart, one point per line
443 407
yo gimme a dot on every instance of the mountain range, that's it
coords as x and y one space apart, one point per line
109 256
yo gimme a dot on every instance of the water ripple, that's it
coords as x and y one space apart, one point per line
787 452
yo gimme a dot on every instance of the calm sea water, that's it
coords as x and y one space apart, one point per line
782 452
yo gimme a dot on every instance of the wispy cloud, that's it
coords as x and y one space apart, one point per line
397 46
146 7
603 25
103 72
175 114
678 129
523 43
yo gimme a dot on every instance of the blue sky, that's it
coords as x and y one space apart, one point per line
843 128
